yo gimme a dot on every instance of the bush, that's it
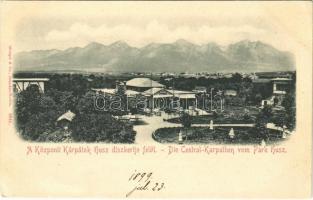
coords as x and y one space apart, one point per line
235 101
185 120
35 113
101 128
37 125
55 136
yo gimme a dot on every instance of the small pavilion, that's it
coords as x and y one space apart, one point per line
21 84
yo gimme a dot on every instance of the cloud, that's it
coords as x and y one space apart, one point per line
81 33
66 25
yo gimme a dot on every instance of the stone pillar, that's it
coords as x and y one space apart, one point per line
180 137
231 133
263 143
41 86
274 87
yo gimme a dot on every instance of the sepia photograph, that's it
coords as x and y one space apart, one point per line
169 88
156 99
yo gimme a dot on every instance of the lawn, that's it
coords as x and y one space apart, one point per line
203 135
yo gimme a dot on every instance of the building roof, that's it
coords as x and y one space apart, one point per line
281 79
153 91
30 79
143 83
261 80
104 90
200 88
113 91
157 92
131 92
67 116
182 92
230 92
186 96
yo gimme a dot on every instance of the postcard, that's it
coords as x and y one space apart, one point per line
158 99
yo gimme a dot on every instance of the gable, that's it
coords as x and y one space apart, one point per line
163 92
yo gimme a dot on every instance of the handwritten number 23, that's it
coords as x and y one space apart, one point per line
156 185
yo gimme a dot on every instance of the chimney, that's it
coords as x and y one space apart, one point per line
120 86
124 85
116 86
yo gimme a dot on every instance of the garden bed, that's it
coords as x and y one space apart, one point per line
194 135
231 115
205 119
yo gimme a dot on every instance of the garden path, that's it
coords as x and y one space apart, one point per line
152 123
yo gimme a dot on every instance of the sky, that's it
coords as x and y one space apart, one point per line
138 24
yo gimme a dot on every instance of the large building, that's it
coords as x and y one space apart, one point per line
281 86
158 97
142 84
163 98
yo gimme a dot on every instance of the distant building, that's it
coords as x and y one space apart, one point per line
263 85
232 93
109 91
272 75
21 84
268 102
281 86
261 81
200 89
158 98
120 86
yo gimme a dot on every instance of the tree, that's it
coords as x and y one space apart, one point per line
27 103
121 93
261 129
261 121
101 127
185 120
275 101
78 85
237 78
68 82
64 99
258 98
291 119
289 104
246 117
280 119
55 136
267 113
245 89
38 124
86 104
35 113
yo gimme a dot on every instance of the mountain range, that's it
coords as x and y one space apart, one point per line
180 56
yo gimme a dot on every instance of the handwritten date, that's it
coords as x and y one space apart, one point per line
143 182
